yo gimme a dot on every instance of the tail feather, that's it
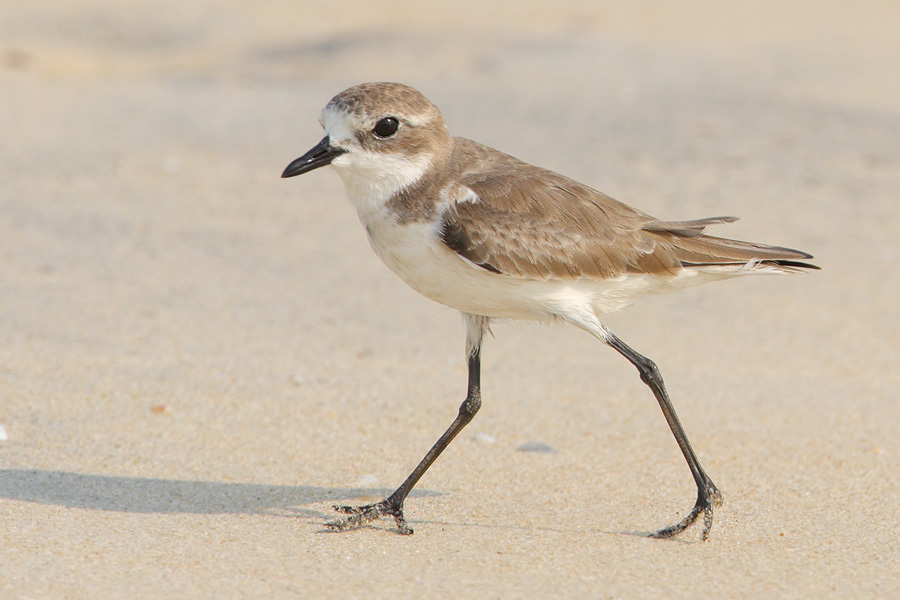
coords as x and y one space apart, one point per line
709 251
693 248
687 228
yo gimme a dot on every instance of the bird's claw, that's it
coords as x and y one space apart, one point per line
360 515
708 498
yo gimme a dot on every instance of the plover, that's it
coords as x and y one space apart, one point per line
496 238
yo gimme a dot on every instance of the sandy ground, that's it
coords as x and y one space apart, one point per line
198 358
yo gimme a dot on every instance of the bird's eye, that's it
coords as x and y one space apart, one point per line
386 127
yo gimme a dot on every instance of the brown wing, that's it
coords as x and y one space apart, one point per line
533 223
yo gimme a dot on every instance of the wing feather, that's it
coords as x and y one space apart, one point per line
529 222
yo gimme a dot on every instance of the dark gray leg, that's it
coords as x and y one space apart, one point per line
393 504
708 496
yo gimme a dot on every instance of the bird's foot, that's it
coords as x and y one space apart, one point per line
708 497
360 515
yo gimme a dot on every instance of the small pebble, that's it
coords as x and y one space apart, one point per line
537 447
159 409
484 438
3 436
367 479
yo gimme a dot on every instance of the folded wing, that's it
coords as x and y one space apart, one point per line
523 221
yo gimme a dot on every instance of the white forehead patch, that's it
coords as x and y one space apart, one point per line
342 125
339 125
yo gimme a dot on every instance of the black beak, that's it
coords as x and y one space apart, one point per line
321 154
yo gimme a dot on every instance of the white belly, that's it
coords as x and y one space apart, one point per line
416 254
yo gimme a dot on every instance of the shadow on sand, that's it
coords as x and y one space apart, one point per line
144 495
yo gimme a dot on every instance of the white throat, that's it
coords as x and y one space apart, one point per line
371 179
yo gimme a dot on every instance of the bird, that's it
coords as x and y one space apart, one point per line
494 237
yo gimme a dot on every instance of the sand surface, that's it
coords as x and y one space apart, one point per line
198 358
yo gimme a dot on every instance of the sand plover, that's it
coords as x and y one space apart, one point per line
496 238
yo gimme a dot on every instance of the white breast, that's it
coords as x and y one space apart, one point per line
415 252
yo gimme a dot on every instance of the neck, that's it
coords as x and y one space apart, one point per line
372 184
